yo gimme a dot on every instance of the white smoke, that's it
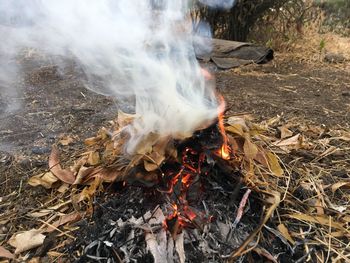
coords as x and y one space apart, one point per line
222 4
128 48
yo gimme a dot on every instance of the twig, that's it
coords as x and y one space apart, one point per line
274 199
59 230
241 207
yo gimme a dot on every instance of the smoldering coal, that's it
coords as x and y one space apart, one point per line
138 49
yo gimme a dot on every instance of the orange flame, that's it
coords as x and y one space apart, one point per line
225 150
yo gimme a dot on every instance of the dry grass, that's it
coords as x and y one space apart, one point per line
309 42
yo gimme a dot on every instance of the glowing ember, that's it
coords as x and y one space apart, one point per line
184 183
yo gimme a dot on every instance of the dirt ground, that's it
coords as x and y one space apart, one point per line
54 103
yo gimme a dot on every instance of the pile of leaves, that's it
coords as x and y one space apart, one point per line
306 203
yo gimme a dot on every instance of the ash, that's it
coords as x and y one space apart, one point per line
128 225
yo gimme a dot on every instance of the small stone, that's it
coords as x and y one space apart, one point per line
40 150
3 230
334 58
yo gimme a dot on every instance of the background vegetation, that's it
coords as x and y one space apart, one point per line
314 26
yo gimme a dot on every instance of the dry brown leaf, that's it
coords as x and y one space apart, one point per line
262 159
49 210
64 175
72 217
153 161
322 220
340 135
294 142
273 120
338 185
55 254
145 146
94 158
274 164
84 174
319 206
285 233
66 140
235 129
285 132
238 122
264 253
63 188
109 175
34 260
92 140
81 162
90 191
125 119
45 179
150 166
327 152
26 240
4 253
250 149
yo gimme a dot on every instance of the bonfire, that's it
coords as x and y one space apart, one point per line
174 178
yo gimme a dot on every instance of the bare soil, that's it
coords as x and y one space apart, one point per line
54 103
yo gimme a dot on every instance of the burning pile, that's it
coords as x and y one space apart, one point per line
174 145
189 187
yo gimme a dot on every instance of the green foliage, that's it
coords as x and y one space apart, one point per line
322 44
337 15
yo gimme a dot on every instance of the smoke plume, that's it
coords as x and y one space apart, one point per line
139 49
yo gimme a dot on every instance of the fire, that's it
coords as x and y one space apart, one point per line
181 182
224 151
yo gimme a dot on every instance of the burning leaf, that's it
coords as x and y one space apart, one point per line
338 185
284 231
274 164
45 179
27 240
66 176
285 132
4 253
250 149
